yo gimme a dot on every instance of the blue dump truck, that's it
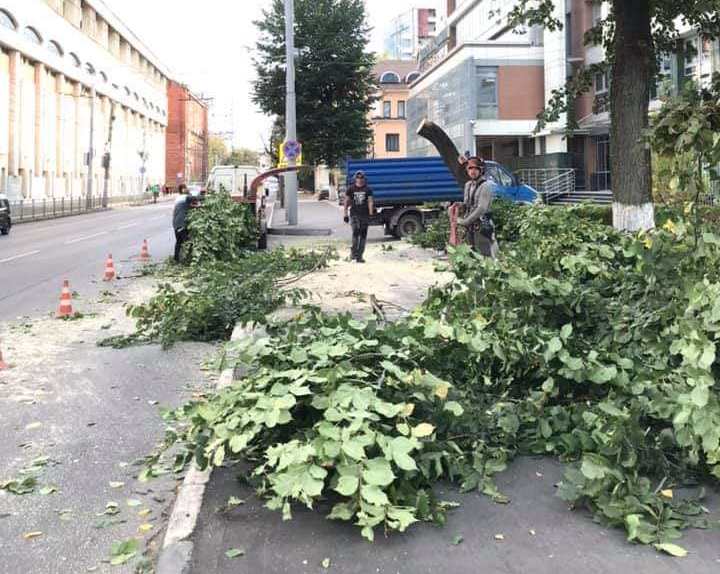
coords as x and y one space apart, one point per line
404 189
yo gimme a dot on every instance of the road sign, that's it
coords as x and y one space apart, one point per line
292 149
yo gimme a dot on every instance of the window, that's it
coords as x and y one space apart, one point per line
392 142
691 57
596 13
7 20
401 108
75 59
387 109
487 100
601 83
32 34
411 77
103 76
55 48
390 78
127 91
90 69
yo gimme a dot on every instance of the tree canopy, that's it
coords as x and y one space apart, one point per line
634 36
335 88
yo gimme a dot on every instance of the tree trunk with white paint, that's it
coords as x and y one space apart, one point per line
633 208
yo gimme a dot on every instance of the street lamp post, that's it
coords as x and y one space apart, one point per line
291 183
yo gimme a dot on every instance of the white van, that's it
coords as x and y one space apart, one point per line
235 179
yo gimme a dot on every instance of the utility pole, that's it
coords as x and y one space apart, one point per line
91 151
106 157
291 183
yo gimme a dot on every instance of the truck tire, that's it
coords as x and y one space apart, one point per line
409 224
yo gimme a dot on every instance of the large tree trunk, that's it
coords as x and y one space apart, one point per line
446 148
629 101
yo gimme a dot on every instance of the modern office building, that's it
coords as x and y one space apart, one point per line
485 84
408 32
66 68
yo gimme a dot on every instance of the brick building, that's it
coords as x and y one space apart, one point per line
186 145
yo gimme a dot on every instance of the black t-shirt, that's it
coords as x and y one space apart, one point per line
359 197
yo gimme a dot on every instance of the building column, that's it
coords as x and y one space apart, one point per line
39 83
59 120
78 153
14 114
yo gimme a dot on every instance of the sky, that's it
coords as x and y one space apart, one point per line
208 45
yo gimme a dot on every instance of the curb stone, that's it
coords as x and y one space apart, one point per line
176 552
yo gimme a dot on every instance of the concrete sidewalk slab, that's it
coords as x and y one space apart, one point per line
540 536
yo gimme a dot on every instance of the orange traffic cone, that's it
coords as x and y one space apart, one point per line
109 269
65 309
144 253
3 364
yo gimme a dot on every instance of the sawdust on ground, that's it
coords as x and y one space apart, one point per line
397 274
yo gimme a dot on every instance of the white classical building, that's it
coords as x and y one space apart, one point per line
59 59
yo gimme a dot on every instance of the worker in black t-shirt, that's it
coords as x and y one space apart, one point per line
359 200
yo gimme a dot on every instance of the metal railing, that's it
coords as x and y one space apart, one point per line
550 183
23 210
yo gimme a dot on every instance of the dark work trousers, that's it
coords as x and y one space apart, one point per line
480 242
360 231
181 236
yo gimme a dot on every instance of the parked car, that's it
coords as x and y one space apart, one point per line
5 219
235 179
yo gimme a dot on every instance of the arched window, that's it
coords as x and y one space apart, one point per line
390 78
103 77
75 59
33 35
127 91
55 48
136 96
7 20
411 77
90 69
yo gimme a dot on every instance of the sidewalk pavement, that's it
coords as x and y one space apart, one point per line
540 535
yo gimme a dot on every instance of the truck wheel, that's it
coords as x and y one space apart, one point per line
5 230
409 224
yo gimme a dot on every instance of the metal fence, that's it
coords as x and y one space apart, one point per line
550 183
36 209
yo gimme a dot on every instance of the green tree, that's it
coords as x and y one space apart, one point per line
634 35
217 151
242 156
334 86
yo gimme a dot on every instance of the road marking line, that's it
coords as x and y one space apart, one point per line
156 218
128 226
85 237
19 256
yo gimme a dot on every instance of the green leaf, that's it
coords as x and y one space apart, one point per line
700 396
342 511
47 490
373 495
454 407
672 549
378 472
122 551
347 485
354 449
234 553
457 540
325 563
566 331
593 466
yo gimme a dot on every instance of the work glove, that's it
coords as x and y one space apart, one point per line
346 219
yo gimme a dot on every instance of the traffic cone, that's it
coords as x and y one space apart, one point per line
65 309
3 364
144 253
109 269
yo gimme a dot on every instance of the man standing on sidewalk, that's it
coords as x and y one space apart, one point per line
359 200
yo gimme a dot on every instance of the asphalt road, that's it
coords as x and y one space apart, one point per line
36 257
